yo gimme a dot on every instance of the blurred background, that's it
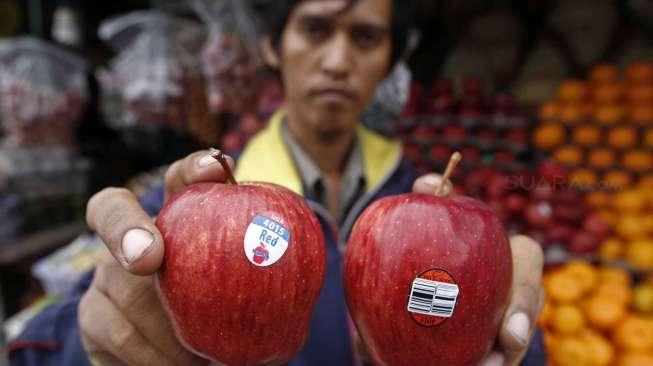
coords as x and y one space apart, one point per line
550 102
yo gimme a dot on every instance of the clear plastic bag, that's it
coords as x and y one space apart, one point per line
43 90
231 60
389 101
157 71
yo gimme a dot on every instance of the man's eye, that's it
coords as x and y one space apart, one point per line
316 30
366 37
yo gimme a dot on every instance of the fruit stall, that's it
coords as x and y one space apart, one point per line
550 105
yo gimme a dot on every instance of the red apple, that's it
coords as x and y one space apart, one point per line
424 133
584 242
542 191
472 86
596 225
412 151
517 136
568 196
552 172
504 157
455 134
516 203
242 270
476 180
561 234
571 213
440 153
539 214
470 153
443 104
443 87
497 185
427 279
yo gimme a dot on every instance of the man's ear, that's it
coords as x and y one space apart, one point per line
270 55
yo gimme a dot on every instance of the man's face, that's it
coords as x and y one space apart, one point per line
332 59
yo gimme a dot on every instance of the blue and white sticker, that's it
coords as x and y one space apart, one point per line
266 240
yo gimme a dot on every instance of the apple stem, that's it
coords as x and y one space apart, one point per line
456 157
219 156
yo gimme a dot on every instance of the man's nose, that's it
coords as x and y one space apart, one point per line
338 57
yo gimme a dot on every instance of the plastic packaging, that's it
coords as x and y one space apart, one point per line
43 90
231 59
157 72
60 271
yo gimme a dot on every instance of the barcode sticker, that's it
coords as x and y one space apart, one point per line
433 298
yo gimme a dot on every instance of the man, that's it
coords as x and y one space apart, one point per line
331 55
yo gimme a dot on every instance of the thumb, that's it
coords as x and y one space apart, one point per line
526 300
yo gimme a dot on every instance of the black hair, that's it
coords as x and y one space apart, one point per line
403 21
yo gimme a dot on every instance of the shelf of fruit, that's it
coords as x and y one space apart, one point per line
597 315
601 132
484 128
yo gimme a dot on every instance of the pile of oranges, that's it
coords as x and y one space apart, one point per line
593 316
602 128
630 213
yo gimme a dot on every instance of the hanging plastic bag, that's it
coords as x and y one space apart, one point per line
231 59
43 90
157 72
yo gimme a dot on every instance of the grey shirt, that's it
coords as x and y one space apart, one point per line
353 179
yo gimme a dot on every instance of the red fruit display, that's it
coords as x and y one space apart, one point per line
584 242
427 279
539 214
242 270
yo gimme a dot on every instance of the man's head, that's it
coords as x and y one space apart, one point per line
332 54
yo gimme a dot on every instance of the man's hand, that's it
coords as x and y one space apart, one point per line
120 317
527 295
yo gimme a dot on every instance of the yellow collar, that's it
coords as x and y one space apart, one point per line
267 158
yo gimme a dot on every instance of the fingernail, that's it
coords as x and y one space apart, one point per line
206 161
135 243
518 326
494 359
432 180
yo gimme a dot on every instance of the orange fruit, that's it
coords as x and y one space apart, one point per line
639 253
601 158
635 333
573 113
562 288
615 291
648 138
622 137
608 93
603 312
615 276
617 179
609 114
646 181
567 319
569 154
598 199
641 94
631 226
638 160
583 178
570 351
604 73
599 348
549 111
643 298
549 135
641 114
629 201
640 71
587 135
583 272
608 215
647 221
572 91
630 358
610 249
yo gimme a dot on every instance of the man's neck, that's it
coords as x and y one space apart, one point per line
328 153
